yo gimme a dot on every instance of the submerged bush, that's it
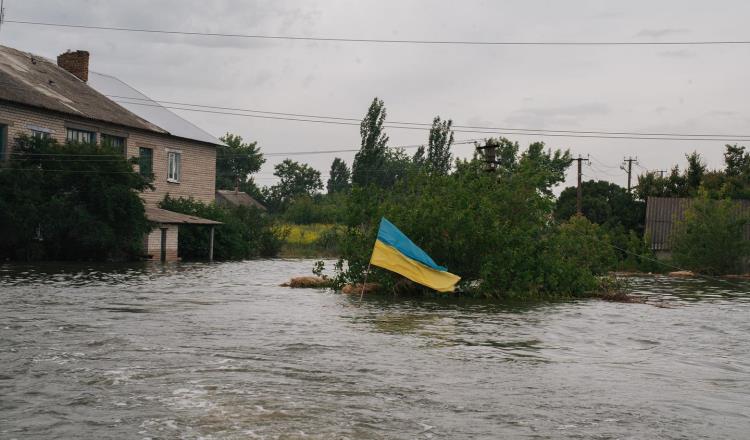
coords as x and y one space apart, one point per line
70 202
711 238
245 232
493 230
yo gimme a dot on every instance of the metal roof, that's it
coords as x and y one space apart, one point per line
663 212
238 198
33 80
158 215
148 109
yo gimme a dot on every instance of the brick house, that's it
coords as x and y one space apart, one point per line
65 101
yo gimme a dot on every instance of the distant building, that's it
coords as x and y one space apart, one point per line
66 102
662 214
237 198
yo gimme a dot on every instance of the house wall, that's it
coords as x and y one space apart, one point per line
152 243
198 160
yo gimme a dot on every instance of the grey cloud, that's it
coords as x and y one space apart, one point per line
660 33
543 117
677 53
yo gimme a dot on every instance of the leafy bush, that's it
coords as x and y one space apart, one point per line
306 210
70 202
710 239
493 230
244 233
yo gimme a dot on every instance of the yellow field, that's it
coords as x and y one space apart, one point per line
305 234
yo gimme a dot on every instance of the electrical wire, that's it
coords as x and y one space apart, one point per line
421 124
493 132
383 40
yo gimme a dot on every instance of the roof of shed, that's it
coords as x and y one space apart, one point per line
158 215
33 80
239 198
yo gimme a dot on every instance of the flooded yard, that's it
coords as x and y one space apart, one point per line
221 352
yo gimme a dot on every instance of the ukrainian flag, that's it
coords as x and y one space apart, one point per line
395 252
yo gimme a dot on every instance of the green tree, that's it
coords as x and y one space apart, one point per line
339 179
603 203
295 180
70 202
439 147
710 239
235 162
493 230
736 184
695 171
370 160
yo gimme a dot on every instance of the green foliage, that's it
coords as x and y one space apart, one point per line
710 239
246 232
439 147
70 202
236 161
311 240
733 182
370 160
493 230
295 180
605 204
340 177
305 210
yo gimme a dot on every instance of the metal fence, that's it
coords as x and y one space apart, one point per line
662 213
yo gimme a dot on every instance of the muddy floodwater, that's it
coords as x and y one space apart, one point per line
221 352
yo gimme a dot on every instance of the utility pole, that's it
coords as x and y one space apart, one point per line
2 13
629 169
489 152
661 173
579 195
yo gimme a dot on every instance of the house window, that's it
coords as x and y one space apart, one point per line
39 132
146 162
117 143
81 136
3 140
173 166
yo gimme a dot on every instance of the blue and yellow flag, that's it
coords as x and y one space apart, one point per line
395 252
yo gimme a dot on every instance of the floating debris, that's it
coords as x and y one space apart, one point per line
308 283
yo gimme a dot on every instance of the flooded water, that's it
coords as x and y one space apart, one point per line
220 352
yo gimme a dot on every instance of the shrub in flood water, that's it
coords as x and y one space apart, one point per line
495 230
73 201
245 232
711 238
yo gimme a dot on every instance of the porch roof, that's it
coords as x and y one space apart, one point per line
158 215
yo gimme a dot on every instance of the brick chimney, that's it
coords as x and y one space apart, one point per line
76 63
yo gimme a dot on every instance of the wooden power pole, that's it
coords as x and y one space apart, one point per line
629 161
579 195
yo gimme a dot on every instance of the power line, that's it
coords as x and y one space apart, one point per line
507 131
488 132
383 40
358 120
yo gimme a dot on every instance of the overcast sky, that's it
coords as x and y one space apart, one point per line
685 89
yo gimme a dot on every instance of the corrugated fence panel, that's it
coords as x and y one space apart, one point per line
663 212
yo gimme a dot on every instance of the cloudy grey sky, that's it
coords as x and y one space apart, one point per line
685 89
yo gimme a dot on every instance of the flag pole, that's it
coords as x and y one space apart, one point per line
362 294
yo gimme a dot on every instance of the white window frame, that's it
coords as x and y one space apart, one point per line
39 132
79 132
174 166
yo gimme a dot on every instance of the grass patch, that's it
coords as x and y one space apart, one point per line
315 240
